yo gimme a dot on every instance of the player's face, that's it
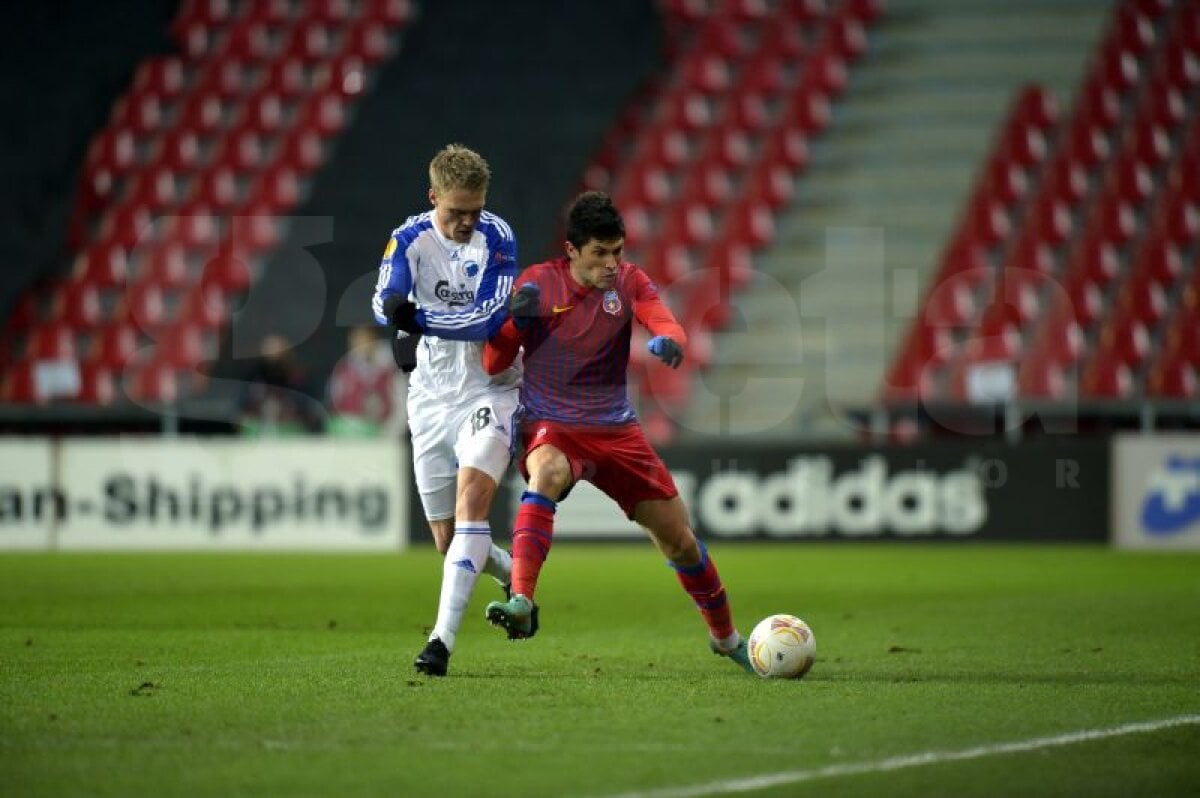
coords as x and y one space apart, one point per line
456 212
594 265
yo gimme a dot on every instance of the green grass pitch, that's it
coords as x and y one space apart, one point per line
290 675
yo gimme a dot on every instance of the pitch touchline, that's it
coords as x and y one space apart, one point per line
909 761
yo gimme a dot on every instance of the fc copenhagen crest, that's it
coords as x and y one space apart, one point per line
612 302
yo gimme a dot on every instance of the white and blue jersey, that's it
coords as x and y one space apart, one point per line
461 291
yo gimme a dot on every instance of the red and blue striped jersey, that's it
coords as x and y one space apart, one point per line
577 351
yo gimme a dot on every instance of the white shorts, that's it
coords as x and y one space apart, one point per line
477 434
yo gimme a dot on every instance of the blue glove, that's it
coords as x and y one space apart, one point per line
666 350
525 305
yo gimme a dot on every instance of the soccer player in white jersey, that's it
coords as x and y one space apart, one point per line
444 286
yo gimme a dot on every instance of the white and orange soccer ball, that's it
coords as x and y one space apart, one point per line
782 647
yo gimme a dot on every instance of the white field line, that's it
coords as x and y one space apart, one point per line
765 780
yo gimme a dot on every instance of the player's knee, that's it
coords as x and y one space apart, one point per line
681 547
551 478
473 500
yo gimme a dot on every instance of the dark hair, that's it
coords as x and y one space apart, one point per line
593 216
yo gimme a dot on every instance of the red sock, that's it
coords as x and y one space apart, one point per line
533 532
703 584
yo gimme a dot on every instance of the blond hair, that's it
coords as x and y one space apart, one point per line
458 167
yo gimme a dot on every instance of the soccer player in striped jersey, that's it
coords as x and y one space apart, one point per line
574 317
444 286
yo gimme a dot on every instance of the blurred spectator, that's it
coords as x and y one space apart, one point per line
275 397
366 390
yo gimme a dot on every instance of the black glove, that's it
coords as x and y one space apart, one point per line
525 305
666 350
401 313
404 350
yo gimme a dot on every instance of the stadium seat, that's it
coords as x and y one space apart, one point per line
166 264
205 305
77 304
276 190
311 41
51 341
1127 342
301 149
182 347
178 150
97 385
162 76
251 38
152 382
1103 379
114 345
729 148
786 146
769 183
204 114
709 184
390 13
104 264
750 222
368 40
324 113
227 270
805 110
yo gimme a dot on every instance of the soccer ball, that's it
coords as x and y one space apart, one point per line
781 647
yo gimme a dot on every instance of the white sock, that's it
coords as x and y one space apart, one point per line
499 564
465 558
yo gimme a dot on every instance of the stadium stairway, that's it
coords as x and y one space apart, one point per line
831 299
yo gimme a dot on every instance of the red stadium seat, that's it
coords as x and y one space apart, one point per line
152 382
786 146
114 345
310 41
228 270
390 13
77 304
764 75
276 190
227 79
243 150
1173 379
709 184
642 184
1099 104
179 150
203 114
302 150
331 12
746 110
784 41
251 39
806 111
705 72
288 78
145 304
51 341
206 306
730 149
183 347
1103 379
165 264
687 223
751 223
162 76
216 188
97 385
105 265
1127 342
324 113
769 183
369 41
686 110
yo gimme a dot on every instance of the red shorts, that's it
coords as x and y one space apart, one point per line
617 460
